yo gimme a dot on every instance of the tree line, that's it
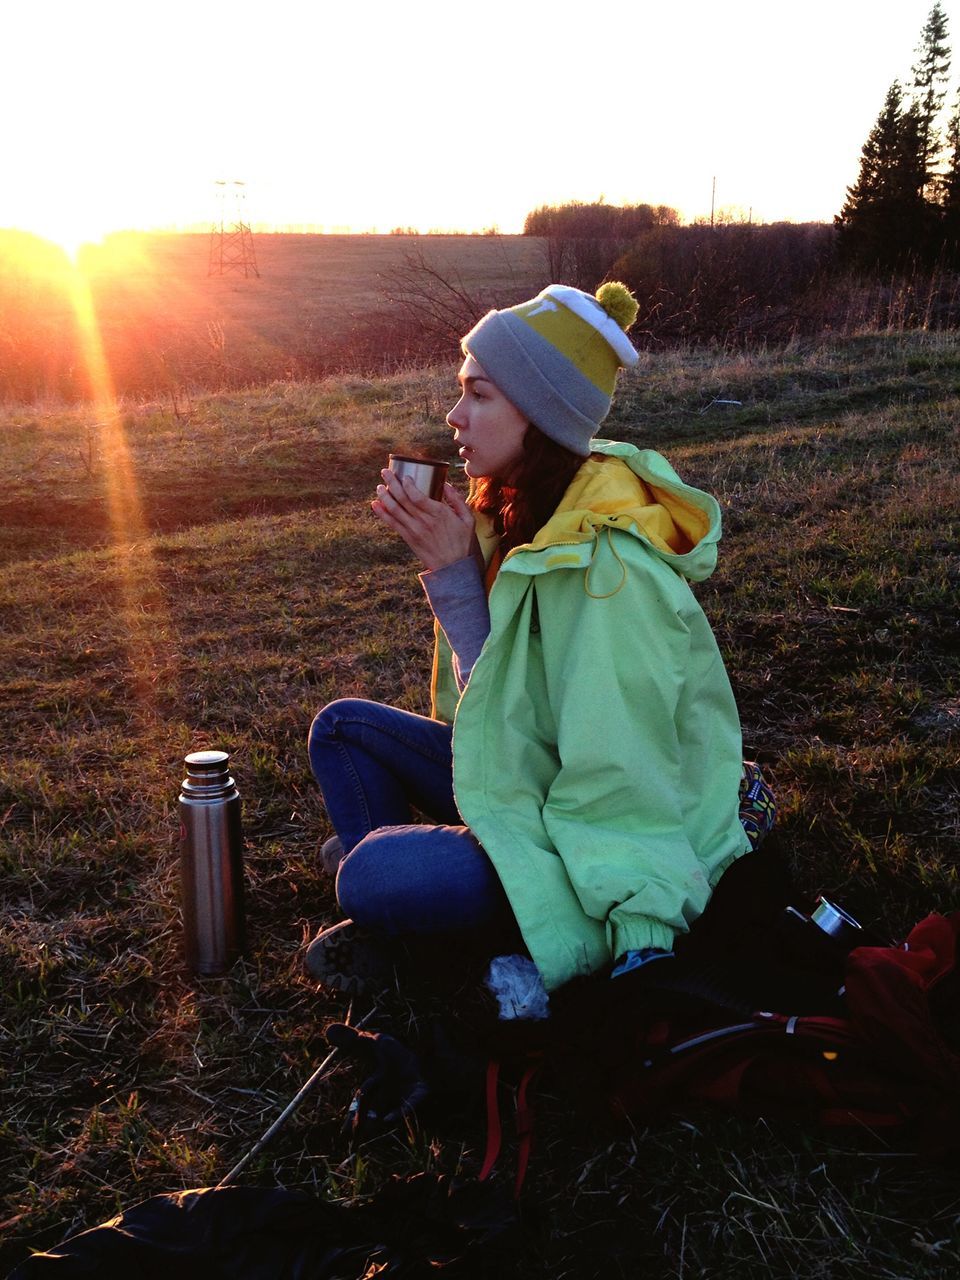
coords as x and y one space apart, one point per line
891 255
904 207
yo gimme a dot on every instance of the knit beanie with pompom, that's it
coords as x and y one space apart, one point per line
556 357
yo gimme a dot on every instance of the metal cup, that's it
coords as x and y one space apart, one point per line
835 922
427 474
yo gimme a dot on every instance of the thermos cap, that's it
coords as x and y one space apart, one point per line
207 776
206 760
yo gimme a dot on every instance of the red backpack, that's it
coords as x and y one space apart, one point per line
884 1056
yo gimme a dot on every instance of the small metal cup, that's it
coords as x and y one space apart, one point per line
427 474
835 922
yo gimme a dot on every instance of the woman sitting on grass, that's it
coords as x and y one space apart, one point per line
582 768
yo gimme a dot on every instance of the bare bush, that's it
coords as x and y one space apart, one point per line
730 283
441 305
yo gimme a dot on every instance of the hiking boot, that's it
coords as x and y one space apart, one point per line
331 855
345 957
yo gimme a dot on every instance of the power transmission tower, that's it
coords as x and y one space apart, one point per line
231 240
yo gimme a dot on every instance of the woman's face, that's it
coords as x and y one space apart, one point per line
487 426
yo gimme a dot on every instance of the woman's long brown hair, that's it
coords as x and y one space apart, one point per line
542 477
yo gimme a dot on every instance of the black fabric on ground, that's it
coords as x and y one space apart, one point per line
409 1229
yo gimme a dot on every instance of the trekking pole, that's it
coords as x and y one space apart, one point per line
287 1112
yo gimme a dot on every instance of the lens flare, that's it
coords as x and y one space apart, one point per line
143 606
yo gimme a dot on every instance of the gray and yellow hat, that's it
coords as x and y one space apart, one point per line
556 357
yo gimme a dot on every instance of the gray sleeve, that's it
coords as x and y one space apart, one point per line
459 603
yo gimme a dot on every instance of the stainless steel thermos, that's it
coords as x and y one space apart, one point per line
211 864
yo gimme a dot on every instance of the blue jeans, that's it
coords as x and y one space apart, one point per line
375 764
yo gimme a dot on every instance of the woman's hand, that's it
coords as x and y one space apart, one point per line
440 533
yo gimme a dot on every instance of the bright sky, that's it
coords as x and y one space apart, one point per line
371 114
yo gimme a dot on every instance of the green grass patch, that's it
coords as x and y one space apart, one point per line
253 587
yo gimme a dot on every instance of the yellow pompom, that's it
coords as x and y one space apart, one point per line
618 302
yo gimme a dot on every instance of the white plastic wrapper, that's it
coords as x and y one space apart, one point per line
518 987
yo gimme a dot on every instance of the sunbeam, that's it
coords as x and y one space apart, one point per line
143 605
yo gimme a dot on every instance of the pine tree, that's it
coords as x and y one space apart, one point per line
866 221
912 222
930 73
895 212
950 187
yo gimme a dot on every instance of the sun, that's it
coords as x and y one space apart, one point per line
70 229
72 236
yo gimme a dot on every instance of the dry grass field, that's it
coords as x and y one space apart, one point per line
208 574
166 325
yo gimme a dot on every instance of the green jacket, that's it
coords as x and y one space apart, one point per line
597 750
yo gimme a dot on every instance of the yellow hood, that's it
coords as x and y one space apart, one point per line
637 491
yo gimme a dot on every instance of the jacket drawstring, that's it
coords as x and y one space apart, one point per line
593 559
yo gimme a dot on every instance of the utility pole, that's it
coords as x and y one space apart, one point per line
713 198
231 240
